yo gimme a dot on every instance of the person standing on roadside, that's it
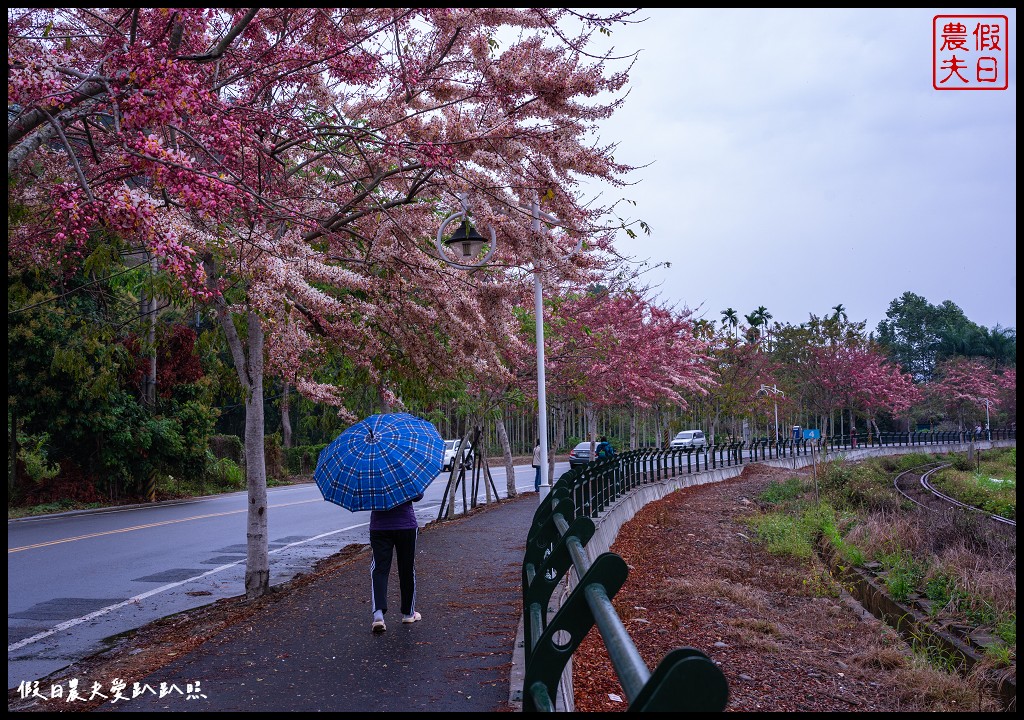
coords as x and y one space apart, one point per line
536 466
393 532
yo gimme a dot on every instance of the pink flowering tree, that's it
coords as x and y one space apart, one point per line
290 167
741 369
961 387
880 386
857 376
623 349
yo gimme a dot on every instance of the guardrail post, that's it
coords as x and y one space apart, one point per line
685 680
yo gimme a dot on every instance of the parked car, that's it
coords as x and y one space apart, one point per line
579 455
451 452
689 439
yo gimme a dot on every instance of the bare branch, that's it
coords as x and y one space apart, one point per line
222 46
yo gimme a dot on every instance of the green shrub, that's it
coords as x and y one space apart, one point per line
903 574
227 446
939 590
227 473
33 455
302 460
960 462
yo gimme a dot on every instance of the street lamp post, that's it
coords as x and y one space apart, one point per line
776 392
471 244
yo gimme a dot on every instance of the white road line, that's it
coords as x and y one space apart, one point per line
67 624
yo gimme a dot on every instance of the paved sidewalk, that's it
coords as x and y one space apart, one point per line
313 649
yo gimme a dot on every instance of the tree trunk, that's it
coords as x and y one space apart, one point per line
559 441
249 367
506 449
257 561
151 390
632 428
591 415
286 420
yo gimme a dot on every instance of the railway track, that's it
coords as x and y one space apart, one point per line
915 485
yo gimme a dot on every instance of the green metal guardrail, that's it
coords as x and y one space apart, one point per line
686 679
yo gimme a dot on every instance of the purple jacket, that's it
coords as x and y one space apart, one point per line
402 517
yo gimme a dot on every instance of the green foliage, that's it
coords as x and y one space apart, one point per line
829 528
992 488
783 535
225 472
273 457
903 574
861 486
1006 629
1001 655
940 590
70 378
227 446
302 460
33 454
961 462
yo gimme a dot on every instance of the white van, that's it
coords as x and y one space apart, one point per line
689 439
451 452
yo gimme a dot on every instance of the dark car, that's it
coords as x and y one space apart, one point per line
580 455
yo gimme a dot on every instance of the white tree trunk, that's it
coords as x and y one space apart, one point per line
286 419
591 415
257 560
506 449
559 408
249 367
632 428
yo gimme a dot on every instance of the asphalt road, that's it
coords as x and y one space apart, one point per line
76 579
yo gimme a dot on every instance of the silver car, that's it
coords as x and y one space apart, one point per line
689 439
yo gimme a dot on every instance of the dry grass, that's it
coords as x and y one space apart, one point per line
742 595
881 533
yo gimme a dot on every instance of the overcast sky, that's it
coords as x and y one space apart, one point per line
801 158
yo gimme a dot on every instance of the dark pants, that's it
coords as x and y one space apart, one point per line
536 480
403 544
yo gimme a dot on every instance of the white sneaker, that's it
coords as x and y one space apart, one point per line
412 618
378 626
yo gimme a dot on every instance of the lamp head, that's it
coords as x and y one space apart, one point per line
466 241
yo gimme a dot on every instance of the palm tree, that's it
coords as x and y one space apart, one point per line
703 329
753 320
729 317
1000 344
760 317
840 312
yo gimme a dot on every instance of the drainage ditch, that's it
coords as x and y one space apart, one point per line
964 645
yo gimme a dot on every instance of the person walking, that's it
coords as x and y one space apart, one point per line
393 532
604 448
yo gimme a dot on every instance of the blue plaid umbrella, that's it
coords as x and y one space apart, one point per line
380 462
